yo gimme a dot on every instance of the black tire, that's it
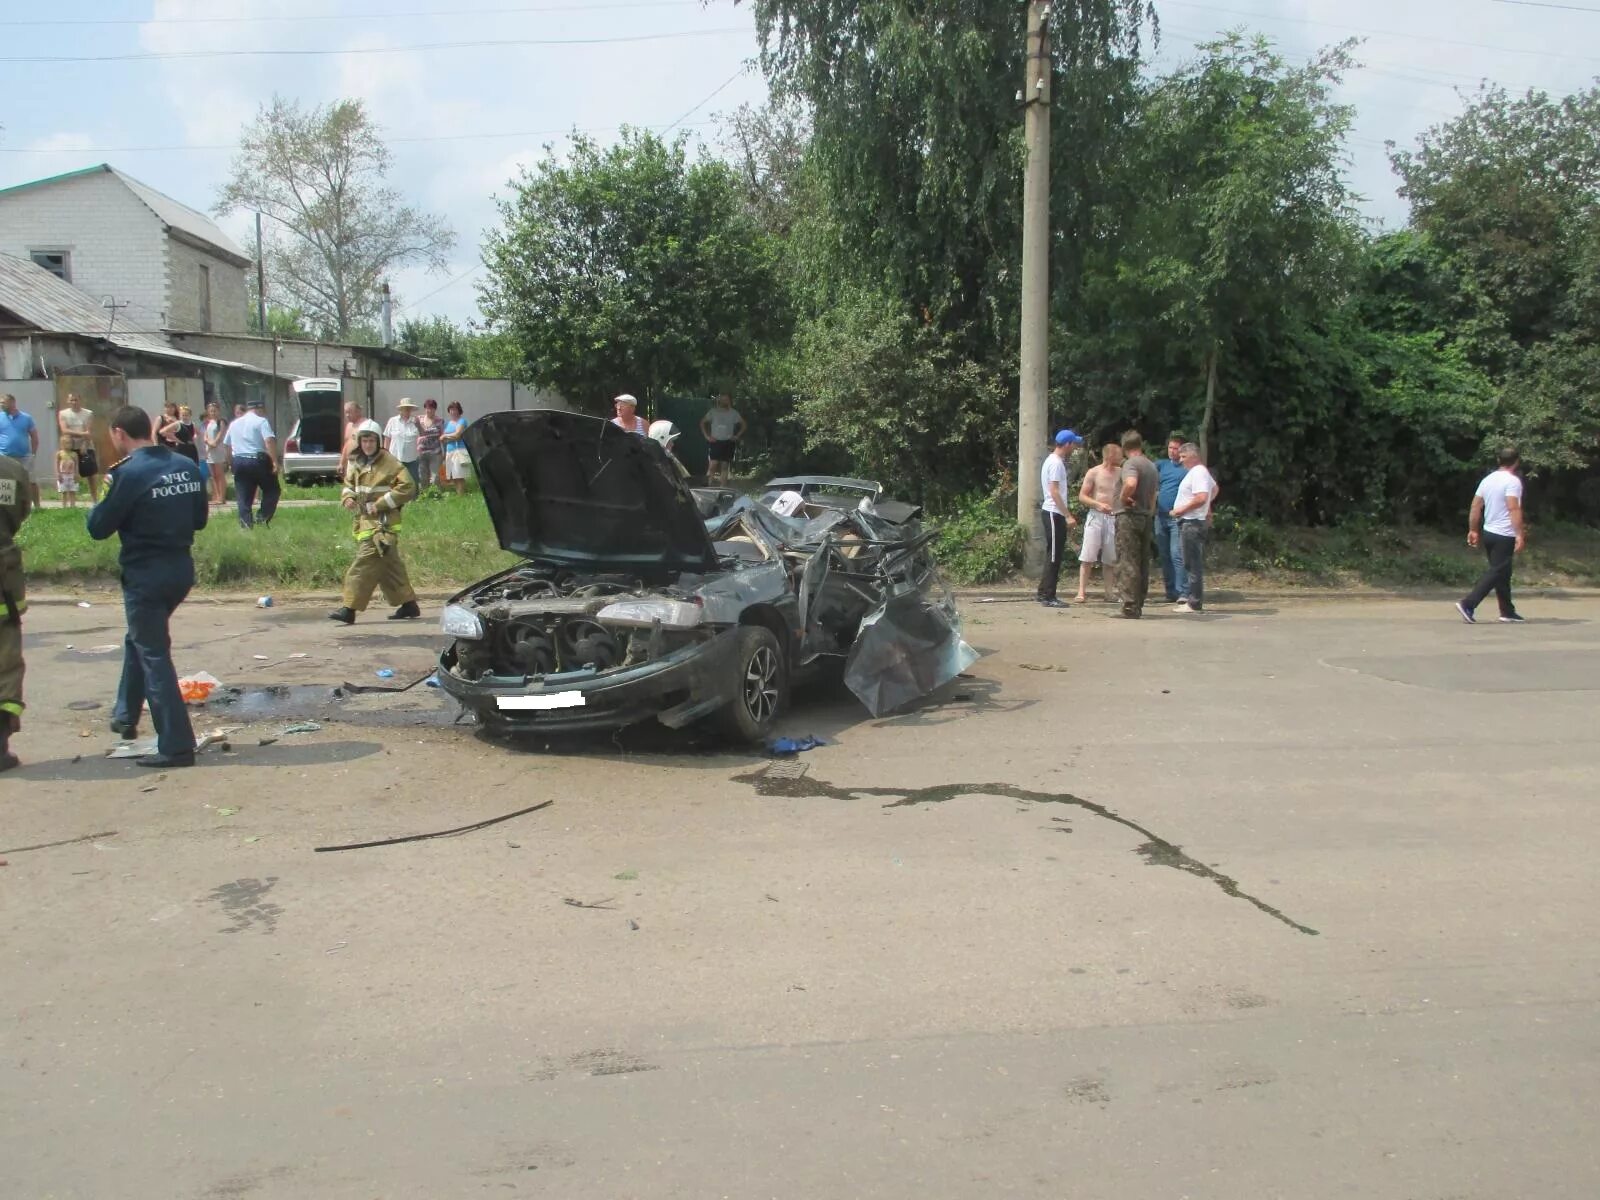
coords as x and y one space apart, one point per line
760 687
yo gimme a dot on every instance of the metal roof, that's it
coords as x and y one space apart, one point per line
173 214
52 305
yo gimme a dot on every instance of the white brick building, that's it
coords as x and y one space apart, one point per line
123 242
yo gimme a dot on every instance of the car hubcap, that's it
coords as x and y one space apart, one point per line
761 684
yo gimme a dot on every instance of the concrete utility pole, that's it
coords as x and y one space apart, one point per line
388 318
261 282
1033 404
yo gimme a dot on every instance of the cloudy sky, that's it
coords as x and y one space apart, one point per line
466 91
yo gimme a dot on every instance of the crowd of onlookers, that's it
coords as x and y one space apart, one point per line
243 446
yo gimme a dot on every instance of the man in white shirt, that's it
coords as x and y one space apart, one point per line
722 427
1496 524
627 410
400 437
254 450
1191 511
1055 481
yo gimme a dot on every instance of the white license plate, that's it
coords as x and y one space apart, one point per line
554 700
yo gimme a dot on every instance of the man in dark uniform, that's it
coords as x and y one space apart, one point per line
16 500
156 502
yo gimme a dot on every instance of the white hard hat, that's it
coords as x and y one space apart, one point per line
664 432
369 426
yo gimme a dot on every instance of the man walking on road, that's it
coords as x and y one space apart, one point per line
254 449
19 439
156 502
1496 525
1169 547
1191 513
1099 491
1055 481
1136 506
376 486
16 501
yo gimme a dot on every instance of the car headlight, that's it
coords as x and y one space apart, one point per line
642 614
460 622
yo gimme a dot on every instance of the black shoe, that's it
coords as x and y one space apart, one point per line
406 611
9 760
345 616
1053 603
126 732
1515 619
1466 613
165 760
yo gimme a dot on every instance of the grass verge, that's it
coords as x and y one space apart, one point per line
447 542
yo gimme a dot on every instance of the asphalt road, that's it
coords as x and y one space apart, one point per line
1295 899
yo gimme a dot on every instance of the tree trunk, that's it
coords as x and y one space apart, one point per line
1211 404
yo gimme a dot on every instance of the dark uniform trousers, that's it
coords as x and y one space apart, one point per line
13 603
149 598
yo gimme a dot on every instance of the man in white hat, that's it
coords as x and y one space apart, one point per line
628 415
400 438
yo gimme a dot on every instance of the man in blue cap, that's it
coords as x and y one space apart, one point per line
156 503
1055 482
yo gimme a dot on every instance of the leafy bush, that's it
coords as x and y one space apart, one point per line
979 539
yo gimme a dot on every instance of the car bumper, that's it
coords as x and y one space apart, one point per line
677 689
301 465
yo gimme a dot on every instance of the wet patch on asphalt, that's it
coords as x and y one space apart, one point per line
245 903
792 783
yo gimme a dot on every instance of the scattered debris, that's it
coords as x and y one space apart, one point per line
626 876
303 727
197 688
443 833
85 705
266 741
771 897
632 924
433 680
606 903
785 745
355 689
336 947
302 654
385 672
264 602
84 604
256 838
1039 667
151 788
259 657
88 837
132 749
226 811
106 648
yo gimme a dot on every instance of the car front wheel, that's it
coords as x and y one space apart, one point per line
760 686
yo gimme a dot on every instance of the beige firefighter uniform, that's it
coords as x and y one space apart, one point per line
380 487
15 504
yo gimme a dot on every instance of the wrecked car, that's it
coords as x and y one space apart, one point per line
631 605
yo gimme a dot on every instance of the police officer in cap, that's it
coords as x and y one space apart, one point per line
156 502
16 500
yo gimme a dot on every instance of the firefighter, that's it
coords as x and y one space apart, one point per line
376 486
155 503
665 433
16 501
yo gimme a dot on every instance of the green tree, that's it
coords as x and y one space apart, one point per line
629 267
439 340
1245 212
335 228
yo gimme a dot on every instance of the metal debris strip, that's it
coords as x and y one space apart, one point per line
787 768
443 833
88 837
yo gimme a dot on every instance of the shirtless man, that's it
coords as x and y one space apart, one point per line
1098 496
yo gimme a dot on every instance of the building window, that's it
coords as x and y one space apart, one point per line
205 298
57 262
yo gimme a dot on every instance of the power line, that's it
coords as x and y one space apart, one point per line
443 137
363 16
263 52
451 282
714 93
1386 33
1547 4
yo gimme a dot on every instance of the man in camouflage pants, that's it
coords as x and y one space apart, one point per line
16 502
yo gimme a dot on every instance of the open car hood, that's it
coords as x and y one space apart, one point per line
576 490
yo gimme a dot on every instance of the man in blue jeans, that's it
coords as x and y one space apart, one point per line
1169 545
156 503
